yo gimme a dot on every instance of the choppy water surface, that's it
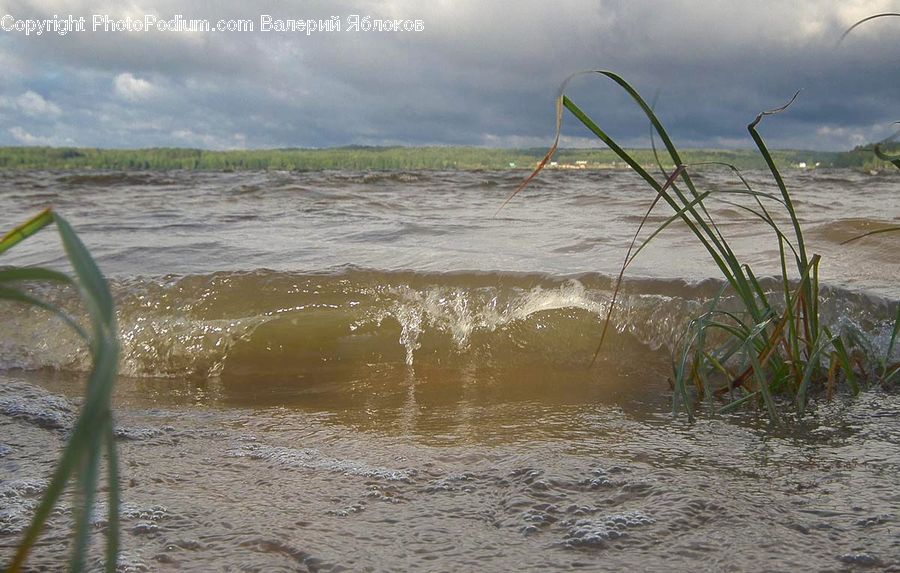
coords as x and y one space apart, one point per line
153 224
371 371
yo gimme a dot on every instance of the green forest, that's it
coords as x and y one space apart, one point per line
394 158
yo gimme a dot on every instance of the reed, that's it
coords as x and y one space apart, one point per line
93 435
878 148
774 343
887 372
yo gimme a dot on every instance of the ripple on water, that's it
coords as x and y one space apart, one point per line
141 434
312 459
622 492
595 532
18 498
35 406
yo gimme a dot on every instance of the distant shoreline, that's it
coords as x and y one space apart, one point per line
396 158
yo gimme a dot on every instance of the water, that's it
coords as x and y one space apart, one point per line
356 371
147 224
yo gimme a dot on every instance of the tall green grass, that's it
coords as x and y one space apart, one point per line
92 436
773 343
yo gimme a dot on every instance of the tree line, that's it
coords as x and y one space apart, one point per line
397 158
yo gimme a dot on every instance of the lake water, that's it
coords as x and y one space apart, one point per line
345 371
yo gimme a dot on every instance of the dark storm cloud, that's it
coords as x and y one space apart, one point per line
482 73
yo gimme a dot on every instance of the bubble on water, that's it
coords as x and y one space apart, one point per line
152 514
452 482
138 434
33 406
380 493
863 559
18 499
314 460
349 510
538 518
601 479
129 562
592 532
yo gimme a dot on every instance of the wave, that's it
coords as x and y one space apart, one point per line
115 178
846 229
388 177
271 323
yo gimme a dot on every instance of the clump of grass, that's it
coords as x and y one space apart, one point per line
92 435
775 343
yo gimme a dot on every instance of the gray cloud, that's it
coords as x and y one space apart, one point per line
481 73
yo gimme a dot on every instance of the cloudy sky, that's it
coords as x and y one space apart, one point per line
480 72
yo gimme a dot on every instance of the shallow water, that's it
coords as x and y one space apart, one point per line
422 483
351 371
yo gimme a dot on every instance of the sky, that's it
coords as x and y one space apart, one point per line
482 73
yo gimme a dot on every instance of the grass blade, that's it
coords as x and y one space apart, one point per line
93 428
89 275
863 21
25 230
33 274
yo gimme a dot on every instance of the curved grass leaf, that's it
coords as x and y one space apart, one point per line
870 233
863 21
25 230
92 434
33 274
879 152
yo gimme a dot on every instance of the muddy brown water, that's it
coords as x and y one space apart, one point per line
370 372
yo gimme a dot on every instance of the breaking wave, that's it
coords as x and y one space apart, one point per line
279 323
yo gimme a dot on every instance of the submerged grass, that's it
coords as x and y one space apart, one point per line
774 344
92 435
